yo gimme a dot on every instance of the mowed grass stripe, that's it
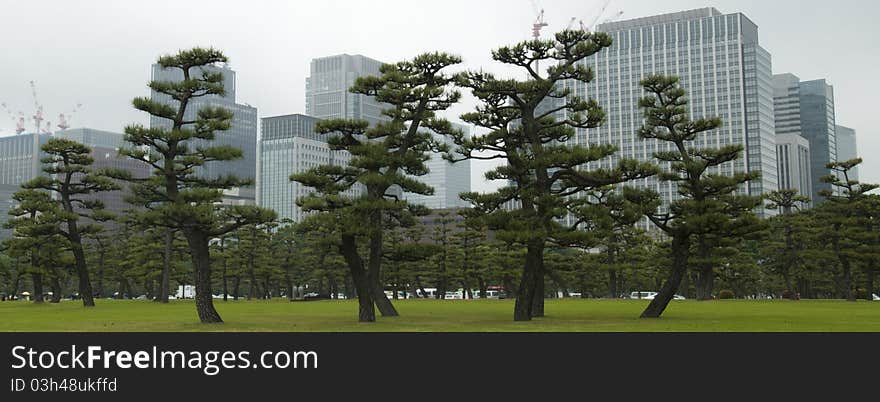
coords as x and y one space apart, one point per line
571 315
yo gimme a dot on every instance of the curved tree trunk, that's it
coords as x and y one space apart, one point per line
374 274
680 250
201 258
348 249
82 271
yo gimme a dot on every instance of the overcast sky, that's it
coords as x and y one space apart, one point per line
98 53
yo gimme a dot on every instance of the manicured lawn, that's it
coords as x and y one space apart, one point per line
441 316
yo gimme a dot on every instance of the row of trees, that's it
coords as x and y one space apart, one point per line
366 244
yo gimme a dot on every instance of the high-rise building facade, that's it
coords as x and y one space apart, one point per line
722 67
327 95
289 145
17 158
242 134
847 148
806 108
793 154
18 161
449 180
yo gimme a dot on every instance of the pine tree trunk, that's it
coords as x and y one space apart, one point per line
374 274
705 283
869 282
348 249
165 284
38 287
201 258
522 310
538 295
55 282
847 280
82 271
99 287
236 287
680 250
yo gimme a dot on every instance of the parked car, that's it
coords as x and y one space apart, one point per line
642 295
453 295
876 298
678 297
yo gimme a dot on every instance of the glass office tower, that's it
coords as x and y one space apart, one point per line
327 95
289 145
724 70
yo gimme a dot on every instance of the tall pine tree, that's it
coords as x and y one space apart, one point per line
531 124
174 195
386 159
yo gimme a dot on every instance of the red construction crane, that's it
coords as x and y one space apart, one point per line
539 21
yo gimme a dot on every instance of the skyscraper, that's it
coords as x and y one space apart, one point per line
242 134
17 158
806 108
847 148
289 145
793 154
17 162
327 95
448 179
722 67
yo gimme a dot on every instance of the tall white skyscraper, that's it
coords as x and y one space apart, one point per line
793 154
724 70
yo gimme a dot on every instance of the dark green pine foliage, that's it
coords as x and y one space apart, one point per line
611 220
709 208
845 212
174 196
543 170
787 253
72 179
35 233
385 159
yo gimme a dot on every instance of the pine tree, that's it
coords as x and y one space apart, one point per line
385 159
73 181
526 131
175 196
788 202
846 230
709 206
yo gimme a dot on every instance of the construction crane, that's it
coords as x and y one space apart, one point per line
17 119
589 27
539 21
38 114
64 119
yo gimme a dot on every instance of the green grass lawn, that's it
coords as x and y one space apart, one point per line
455 316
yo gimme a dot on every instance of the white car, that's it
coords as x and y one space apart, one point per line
642 295
876 298
450 295
678 297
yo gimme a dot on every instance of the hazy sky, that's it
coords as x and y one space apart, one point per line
98 53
